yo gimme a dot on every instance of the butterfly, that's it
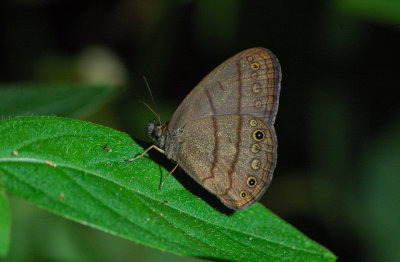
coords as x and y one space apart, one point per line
222 134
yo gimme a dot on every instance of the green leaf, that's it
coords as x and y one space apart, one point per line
4 223
76 169
61 99
387 11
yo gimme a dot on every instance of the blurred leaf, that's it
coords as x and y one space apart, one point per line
380 195
385 11
4 223
62 100
76 169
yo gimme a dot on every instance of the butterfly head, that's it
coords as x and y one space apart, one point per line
157 132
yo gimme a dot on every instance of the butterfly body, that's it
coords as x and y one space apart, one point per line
222 134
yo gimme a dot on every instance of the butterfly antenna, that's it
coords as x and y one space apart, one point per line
151 95
154 112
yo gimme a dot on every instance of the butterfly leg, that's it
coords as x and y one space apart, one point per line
172 171
144 152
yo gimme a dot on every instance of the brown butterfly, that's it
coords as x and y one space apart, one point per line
222 134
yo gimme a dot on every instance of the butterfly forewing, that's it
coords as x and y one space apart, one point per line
246 84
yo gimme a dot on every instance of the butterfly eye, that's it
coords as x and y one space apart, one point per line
256 88
251 182
255 148
255 164
255 66
243 194
253 122
258 104
258 135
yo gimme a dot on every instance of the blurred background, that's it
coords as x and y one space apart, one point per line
338 125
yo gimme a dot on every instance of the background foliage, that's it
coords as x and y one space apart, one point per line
338 123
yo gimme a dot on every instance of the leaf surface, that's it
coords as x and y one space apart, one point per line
76 169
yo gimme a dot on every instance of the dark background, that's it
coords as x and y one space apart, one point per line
338 173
